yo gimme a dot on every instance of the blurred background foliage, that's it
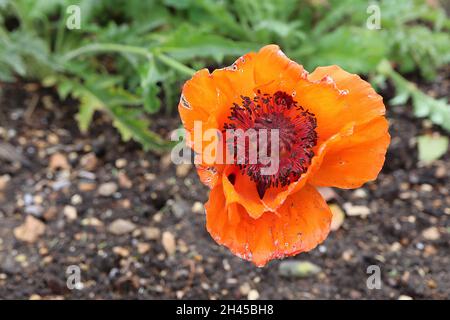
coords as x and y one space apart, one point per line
130 58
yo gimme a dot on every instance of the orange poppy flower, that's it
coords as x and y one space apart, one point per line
332 132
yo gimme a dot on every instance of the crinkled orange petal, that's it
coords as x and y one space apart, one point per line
208 97
243 191
363 102
299 225
335 96
356 158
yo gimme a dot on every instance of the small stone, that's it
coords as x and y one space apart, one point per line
30 230
441 172
253 295
121 163
4 179
426 187
89 161
58 161
198 207
53 138
121 226
61 184
178 207
300 269
121 251
50 213
404 297
143 247
357 211
244 289
338 217
76 199
183 170
327 193
35 210
431 233
92 222
124 181
347 255
395 247
360 193
70 213
86 186
107 189
431 284
168 242
151 233
430 250
21 258
165 162
83 174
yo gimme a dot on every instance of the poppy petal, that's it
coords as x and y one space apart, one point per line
300 225
354 159
363 102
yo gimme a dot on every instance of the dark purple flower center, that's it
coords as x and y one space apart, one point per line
296 138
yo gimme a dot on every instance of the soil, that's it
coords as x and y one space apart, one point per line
406 233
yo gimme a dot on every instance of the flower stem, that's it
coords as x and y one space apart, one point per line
170 62
113 47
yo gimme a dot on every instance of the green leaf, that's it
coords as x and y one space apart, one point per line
431 147
150 90
188 43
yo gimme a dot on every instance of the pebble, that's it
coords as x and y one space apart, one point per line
198 207
30 230
355 210
86 175
441 172
76 199
121 163
253 295
298 268
178 207
183 170
338 217
50 213
347 255
327 193
168 242
143 247
60 184
151 233
244 289
431 233
86 186
121 251
89 161
4 179
121 226
360 193
107 189
35 210
58 161
70 212
404 297
124 181
92 222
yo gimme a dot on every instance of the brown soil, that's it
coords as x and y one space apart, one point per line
407 199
